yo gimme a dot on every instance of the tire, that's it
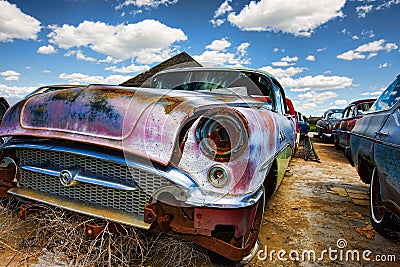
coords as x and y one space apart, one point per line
382 219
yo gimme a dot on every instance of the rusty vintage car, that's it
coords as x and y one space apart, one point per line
352 112
375 151
195 155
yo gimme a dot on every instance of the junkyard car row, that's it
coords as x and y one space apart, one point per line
197 153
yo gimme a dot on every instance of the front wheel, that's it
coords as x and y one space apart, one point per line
382 219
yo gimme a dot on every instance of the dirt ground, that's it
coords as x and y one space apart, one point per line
322 208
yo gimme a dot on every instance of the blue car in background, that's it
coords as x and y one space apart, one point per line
302 123
375 152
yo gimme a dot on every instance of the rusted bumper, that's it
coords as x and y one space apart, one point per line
232 233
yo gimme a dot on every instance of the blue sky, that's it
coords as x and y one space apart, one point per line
325 53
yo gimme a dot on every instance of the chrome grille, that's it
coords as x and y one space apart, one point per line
128 201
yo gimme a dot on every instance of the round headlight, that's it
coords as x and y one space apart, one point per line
222 136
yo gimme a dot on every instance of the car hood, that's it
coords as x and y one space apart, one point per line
140 121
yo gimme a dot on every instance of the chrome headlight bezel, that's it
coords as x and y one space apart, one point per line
222 134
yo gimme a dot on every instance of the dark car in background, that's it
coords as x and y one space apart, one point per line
324 126
302 123
354 111
3 108
375 152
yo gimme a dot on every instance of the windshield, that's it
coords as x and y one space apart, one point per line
389 97
336 115
205 80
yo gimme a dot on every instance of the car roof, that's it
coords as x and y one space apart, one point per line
362 101
218 69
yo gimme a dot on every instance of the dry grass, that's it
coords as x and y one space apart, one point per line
55 237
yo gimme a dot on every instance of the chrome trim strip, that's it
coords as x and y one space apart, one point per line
198 198
82 177
381 142
268 161
81 207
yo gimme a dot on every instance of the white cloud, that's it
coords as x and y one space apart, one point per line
242 49
368 34
14 24
341 102
368 50
374 5
384 65
220 58
128 69
388 4
224 8
149 56
47 71
79 78
219 45
374 93
319 82
310 58
217 22
49 49
307 83
280 73
79 55
279 50
355 37
15 91
217 58
285 61
317 97
146 38
10 75
312 99
109 59
321 49
281 64
363 10
297 17
350 55
290 59
146 3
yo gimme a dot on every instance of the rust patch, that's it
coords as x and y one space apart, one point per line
161 214
171 103
101 227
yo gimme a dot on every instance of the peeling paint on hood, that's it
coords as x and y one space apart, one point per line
130 119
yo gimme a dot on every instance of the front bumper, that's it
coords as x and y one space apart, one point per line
191 213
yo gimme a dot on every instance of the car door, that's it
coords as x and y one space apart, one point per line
387 155
347 121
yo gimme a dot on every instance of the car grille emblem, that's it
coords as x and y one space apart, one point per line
66 178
